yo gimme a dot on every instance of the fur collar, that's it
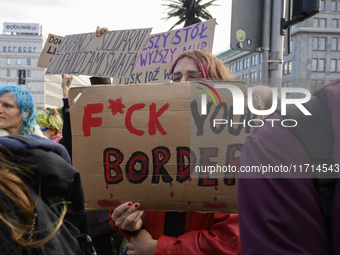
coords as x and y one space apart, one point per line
37 131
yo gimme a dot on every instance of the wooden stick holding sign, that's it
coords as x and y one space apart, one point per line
147 144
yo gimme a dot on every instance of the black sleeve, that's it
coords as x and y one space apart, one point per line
67 133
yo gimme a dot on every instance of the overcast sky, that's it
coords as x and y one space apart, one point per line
65 17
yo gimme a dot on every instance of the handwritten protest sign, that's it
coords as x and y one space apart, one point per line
160 50
51 45
135 143
113 54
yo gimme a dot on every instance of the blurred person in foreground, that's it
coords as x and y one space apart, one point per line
41 197
284 215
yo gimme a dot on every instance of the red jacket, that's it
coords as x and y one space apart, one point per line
205 233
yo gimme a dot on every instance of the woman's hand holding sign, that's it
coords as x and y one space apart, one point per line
128 217
101 30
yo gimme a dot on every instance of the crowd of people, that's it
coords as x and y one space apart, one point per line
41 193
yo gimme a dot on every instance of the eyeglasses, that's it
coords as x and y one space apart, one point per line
189 76
44 129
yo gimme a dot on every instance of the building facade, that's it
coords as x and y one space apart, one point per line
20 47
314 58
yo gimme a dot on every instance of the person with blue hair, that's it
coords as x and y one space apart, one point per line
17 112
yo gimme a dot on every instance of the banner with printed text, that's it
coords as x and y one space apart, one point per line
160 50
113 54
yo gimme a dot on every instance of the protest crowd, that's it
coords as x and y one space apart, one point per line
42 186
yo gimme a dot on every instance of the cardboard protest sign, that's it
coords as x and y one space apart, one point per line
150 143
113 54
160 50
51 45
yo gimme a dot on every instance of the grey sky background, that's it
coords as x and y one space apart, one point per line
65 17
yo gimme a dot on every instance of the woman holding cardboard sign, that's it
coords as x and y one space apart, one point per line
156 232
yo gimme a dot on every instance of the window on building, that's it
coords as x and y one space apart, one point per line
30 49
25 49
284 84
313 85
240 67
334 44
4 49
315 22
338 66
253 77
19 61
245 62
261 57
314 64
323 43
254 60
28 84
35 50
260 76
15 49
28 73
333 65
335 23
9 49
289 67
28 61
333 6
322 23
322 6
20 49
8 73
291 46
320 83
245 78
285 68
8 61
321 65
315 43
289 84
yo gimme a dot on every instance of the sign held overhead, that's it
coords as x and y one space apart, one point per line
113 54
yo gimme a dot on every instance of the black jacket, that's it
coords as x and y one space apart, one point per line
56 180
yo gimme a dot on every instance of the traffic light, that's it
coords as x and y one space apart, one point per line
303 9
22 77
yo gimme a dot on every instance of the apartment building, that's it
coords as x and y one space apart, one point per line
314 59
20 48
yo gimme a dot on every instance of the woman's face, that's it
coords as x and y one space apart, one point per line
186 66
48 132
11 118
